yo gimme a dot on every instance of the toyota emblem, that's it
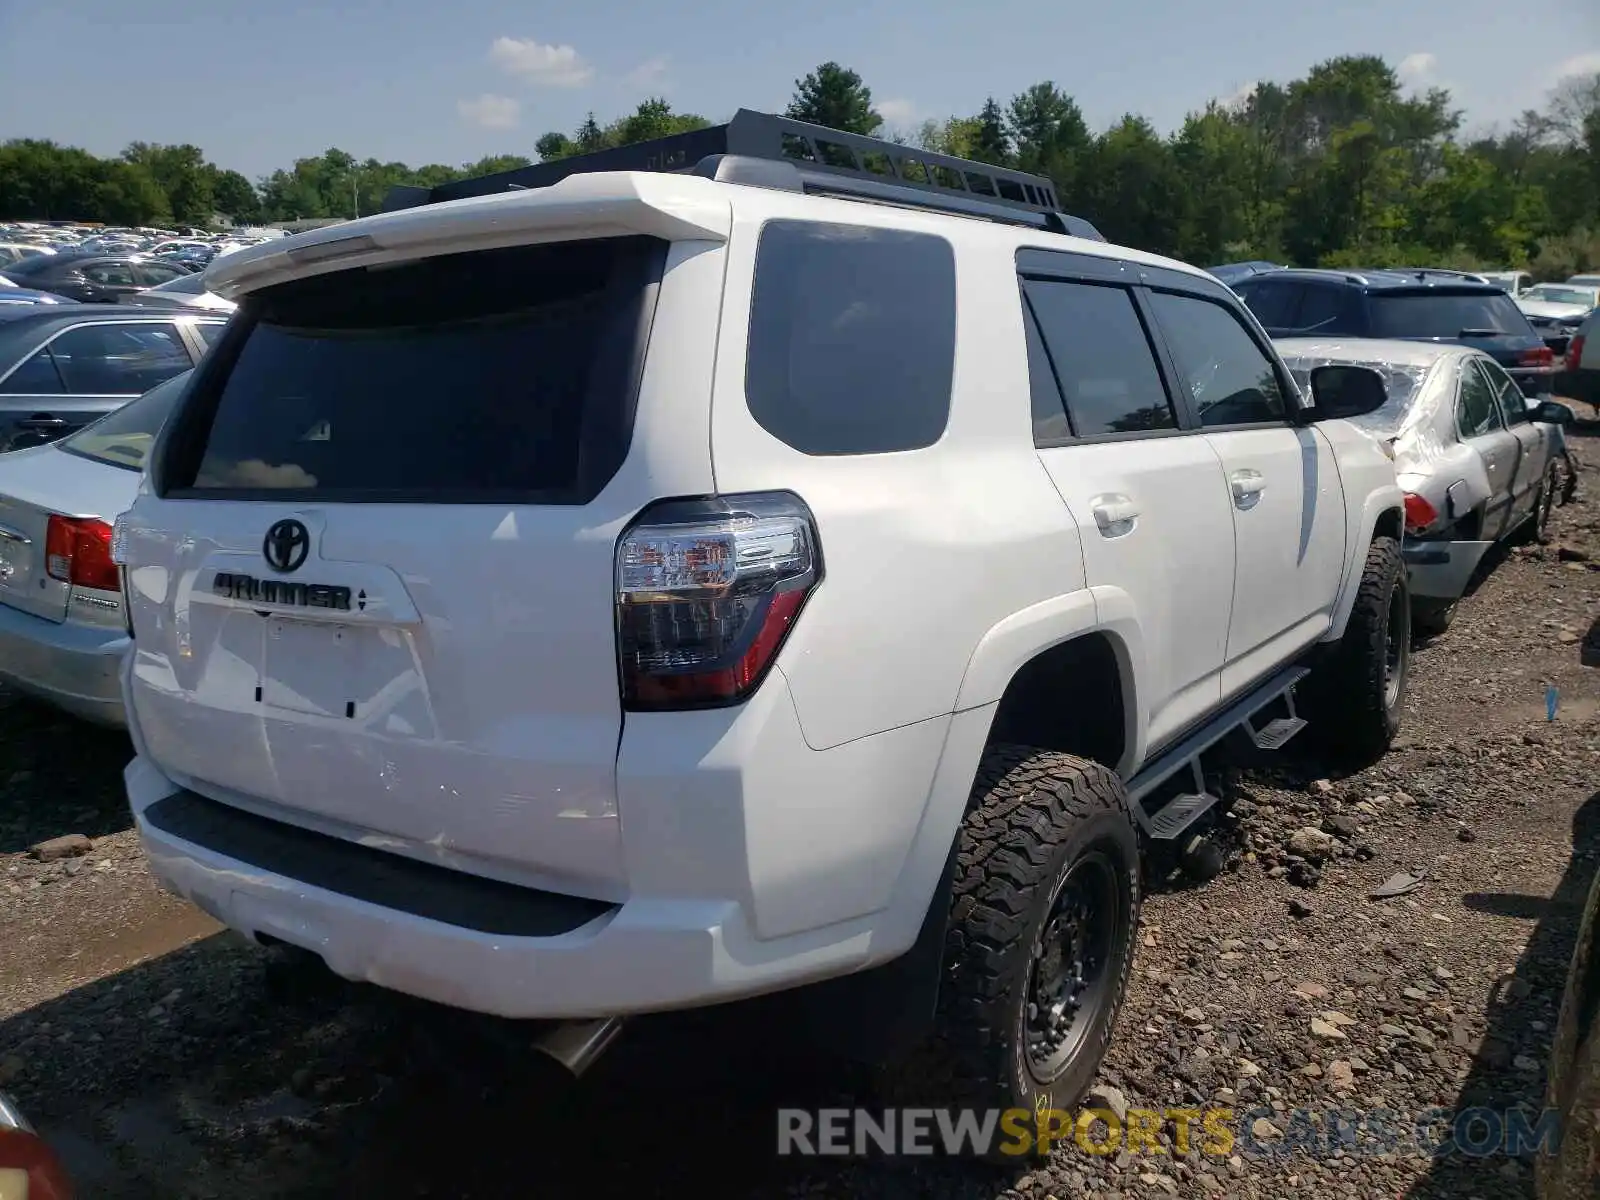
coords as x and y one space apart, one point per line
286 545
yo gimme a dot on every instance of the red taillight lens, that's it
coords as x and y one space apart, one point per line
1419 514
1542 357
707 591
78 551
1575 352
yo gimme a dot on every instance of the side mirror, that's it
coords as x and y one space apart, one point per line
1339 391
1551 413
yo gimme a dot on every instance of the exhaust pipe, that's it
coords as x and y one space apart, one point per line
577 1044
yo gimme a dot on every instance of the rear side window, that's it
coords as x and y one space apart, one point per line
852 337
1476 412
1321 307
499 374
1101 358
121 359
123 438
1272 301
1446 315
1230 379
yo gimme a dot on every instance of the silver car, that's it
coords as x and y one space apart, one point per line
62 629
1477 459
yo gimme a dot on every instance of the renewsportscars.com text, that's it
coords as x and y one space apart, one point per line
1212 1132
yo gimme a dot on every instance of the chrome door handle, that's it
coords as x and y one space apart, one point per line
1247 486
1114 514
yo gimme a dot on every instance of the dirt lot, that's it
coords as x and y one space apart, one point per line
166 1060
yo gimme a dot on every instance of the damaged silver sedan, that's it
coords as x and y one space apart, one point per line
1479 461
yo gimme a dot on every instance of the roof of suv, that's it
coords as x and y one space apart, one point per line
1382 278
604 204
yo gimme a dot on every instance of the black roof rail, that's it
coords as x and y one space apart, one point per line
780 152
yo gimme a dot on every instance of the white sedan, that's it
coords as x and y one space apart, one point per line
1476 458
62 628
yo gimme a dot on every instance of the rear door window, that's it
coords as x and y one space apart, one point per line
852 337
1447 315
121 359
1101 358
35 376
494 375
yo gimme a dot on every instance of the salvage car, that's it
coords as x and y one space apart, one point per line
1582 378
62 634
1557 309
62 366
29 1168
1478 462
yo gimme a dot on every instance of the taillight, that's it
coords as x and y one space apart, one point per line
707 591
1542 357
1419 514
78 551
1575 352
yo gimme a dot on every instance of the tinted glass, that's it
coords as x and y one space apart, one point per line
1049 414
1101 357
209 331
1320 308
467 375
151 274
1445 315
1230 379
37 376
852 337
110 360
123 438
1272 301
1476 410
110 274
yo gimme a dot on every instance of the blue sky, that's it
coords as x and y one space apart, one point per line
258 84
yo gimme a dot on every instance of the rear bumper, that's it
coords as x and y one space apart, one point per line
74 667
741 877
1441 570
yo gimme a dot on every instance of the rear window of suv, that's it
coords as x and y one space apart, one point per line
497 375
1435 314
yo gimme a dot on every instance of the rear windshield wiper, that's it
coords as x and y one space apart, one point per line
1481 333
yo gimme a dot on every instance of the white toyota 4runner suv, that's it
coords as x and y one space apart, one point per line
795 558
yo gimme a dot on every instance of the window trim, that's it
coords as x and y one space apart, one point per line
169 322
1141 313
1487 367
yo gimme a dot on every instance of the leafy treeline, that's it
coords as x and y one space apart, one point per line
1339 167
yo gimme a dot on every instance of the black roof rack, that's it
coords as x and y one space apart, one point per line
769 151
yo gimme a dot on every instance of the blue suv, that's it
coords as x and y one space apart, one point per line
1412 305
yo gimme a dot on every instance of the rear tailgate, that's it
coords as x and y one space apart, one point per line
376 595
1485 319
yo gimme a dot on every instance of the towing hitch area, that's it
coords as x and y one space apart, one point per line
577 1044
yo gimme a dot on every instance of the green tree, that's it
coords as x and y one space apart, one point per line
235 197
992 140
1131 188
834 96
184 177
1051 138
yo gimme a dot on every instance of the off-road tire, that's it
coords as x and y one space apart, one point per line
1430 617
1351 704
1032 817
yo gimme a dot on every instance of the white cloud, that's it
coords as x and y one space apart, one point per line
648 74
1416 70
1239 98
1582 64
492 112
896 111
548 66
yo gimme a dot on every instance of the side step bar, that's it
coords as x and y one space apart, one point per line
1186 808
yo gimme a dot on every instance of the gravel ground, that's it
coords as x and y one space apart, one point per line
166 1059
